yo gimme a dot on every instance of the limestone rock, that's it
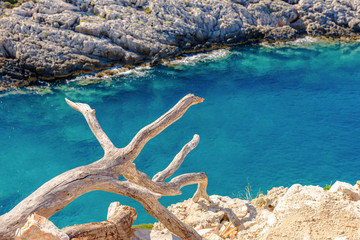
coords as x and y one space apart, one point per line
200 215
38 227
304 212
341 238
270 200
297 197
58 38
345 189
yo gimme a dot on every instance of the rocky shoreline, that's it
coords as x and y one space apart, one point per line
60 38
297 212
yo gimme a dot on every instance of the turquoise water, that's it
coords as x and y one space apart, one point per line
272 116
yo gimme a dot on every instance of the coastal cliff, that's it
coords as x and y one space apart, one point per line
54 39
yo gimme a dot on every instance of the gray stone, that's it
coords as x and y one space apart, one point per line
56 38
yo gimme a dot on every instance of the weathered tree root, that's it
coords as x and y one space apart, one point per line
104 174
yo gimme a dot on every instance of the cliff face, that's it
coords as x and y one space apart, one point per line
57 38
298 212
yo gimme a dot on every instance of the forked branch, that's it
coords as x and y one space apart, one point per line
104 175
153 129
178 160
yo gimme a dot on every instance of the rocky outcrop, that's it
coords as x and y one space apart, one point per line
201 215
298 212
58 38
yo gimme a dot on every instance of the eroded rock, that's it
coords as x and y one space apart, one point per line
346 190
204 215
59 38
38 227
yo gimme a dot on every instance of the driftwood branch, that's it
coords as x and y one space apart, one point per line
104 175
117 226
153 129
93 123
178 160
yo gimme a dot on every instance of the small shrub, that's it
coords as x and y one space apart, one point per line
248 193
327 187
148 226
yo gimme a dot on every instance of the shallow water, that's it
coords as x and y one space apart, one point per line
272 115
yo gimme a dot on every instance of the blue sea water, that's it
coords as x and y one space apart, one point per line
272 116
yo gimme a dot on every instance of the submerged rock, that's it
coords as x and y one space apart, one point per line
58 38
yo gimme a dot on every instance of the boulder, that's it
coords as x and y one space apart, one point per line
346 190
38 227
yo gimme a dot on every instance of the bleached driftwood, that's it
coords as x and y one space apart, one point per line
117 226
104 174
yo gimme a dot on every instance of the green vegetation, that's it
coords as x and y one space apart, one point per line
248 193
98 15
13 3
10 1
148 226
327 187
147 10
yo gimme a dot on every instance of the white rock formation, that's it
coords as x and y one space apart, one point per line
300 212
349 191
200 215
38 227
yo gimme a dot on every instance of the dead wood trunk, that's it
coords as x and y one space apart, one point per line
104 174
117 226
